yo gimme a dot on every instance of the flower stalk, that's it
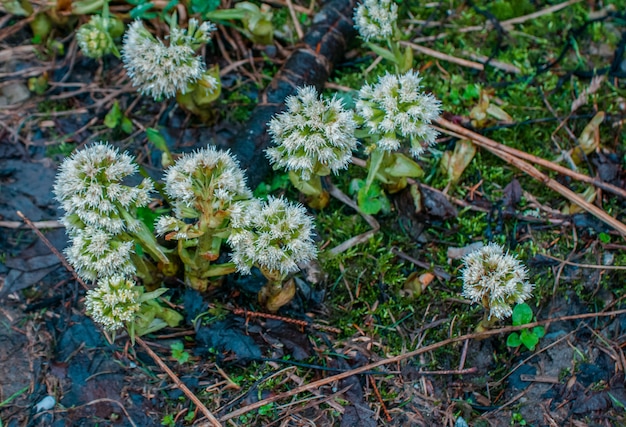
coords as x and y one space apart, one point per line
202 186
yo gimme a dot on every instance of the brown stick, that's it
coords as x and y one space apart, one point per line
498 150
319 383
54 250
380 399
436 54
487 143
214 422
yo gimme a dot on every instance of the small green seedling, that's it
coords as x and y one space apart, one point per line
370 200
115 118
179 353
522 315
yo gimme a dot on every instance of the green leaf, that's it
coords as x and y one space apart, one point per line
112 119
155 137
522 314
179 353
604 238
513 340
170 5
539 331
529 339
141 11
204 6
127 125
380 51
147 216
369 199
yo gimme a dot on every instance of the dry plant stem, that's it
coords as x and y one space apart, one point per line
361 238
540 176
301 323
36 224
436 271
324 381
380 399
509 68
594 266
489 144
294 18
524 18
212 420
54 250
436 54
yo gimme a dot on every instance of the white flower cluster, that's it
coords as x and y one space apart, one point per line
313 136
275 235
397 109
94 38
376 19
96 253
97 205
495 279
159 70
114 302
89 185
205 182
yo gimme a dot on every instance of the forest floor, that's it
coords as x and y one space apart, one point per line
355 347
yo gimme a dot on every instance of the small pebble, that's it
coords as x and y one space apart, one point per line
45 404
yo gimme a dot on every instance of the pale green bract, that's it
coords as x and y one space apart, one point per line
94 38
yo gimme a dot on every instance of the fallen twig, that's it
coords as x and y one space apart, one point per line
482 141
297 322
54 250
36 224
380 399
449 58
214 422
504 153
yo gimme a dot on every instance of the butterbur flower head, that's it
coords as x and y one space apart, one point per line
205 182
396 110
115 302
95 253
314 136
376 19
495 279
275 235
159 70
194 36
89 187
94 37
